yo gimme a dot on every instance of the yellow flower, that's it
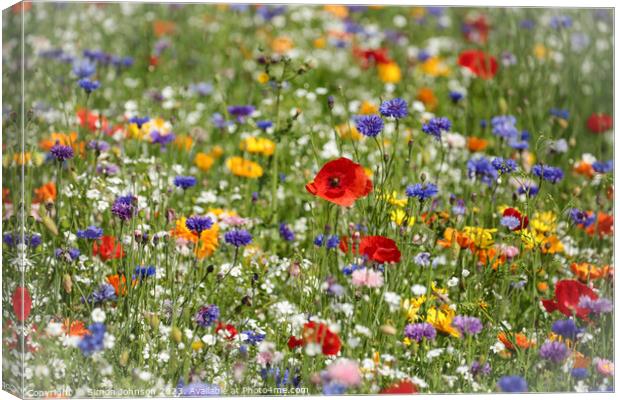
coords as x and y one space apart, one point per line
441 318
530 239
482 238
389 72
367 108
203 161
208 241
217 152
337 11
418 12
400 217
262 78
320 43
155 124
183 142
551 245
434 66
245 168
258 145
344 132
540 51
544 222
393 199
281 44
197 345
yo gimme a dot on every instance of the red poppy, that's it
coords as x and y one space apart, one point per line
567 295
369 57
108 249
341 182
317 333
523 220
481 64
476 30
229 331
599 123
379 249
22 303
402 387
91 120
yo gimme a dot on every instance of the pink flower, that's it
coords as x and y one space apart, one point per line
509 251
344 371
604 367
367 277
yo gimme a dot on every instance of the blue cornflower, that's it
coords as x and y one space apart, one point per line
69 255
561 21
88 85
139 121
241 112
286 233
566 328
332 242
482 169
422 191
32 240
423 259
264 125
395 108
98 145
512 383
369 125
559 113
219 121
198 223
348 269
253 338
456 96
579 373
162 140
459 207
504 166
92 341
480 369
423 55
436 126
201 88
124 207
467 325
104 293
83 68
603 167
510 222
144 272
184 182
528 190
581 217
207 315
319 239
527 24
92 233
238 237
420 331
504 126
598 306
61 152
548 173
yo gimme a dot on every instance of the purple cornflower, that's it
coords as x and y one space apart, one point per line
219 121
467 325
139 121
510 222
548 173
422 191
83 68
369 125
480 369
201 88
504 166
184 182
553 351
482 169
238 237
286 233
160 139
504 126
107 169
598 306
264 125
395 108
98 145
198 223
124 207
512 384
92 233
566 328
241 112
436 126
68 255
61 152
423 259
420 331
207 315
88 85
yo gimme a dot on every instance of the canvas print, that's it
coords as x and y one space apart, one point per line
249 199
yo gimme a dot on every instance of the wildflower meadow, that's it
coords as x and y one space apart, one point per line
243 199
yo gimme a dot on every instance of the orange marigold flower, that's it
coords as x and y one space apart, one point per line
475 144
45 193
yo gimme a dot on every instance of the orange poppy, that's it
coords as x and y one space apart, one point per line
427 96
475 144
585 271
604 225
585 169
45 193
74 328
161 27
119 282
450 236
520 340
